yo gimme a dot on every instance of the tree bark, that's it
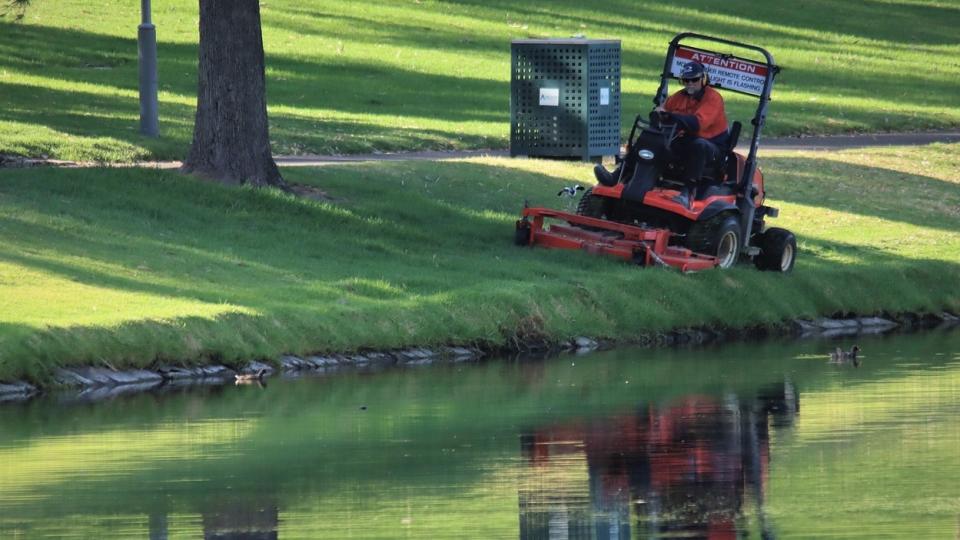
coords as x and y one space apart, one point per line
231 140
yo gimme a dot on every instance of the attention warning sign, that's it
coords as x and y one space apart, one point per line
725 71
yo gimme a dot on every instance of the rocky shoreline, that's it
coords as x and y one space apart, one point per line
98 383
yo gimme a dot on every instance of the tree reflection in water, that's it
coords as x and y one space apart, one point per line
241 520
684 468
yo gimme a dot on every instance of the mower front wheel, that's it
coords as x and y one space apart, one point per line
590 205
778 250
521 236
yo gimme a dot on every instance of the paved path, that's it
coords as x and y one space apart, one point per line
814 143
836 142
817 143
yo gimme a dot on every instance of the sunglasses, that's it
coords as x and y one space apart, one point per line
694 80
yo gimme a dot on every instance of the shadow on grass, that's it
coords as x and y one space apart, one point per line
240 228
785 27
374 30
408 109
764 22
378 94
877 283
862 190
316 265
77 113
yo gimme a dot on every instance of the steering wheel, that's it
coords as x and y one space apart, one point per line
662 123
669 130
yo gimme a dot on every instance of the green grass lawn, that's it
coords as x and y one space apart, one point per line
133 266
361 76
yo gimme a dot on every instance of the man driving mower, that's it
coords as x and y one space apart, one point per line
698 111
634 213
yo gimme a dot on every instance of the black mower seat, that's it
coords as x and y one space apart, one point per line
734 136
722 169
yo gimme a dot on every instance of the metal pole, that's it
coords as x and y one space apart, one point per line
147 49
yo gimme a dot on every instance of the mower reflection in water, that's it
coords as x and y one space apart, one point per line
684 469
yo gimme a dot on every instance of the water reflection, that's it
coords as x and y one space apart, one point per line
679 468
701 443
240 519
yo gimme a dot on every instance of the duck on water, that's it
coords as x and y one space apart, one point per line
840 356
248 378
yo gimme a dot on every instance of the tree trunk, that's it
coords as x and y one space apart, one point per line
231 141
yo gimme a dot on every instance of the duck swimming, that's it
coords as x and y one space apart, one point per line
242 378
841 356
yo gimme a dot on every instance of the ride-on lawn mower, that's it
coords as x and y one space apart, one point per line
636 213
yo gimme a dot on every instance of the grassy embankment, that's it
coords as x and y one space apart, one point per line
130 266
347 77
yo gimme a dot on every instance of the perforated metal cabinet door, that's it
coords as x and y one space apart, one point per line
565 98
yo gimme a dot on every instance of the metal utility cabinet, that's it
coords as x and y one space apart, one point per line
565 98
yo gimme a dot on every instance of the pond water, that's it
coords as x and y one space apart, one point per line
762 440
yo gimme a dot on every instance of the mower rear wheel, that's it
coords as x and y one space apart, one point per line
778 250
718 237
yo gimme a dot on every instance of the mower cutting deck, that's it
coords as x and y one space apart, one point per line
640 245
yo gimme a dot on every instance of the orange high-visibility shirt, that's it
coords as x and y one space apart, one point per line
708 109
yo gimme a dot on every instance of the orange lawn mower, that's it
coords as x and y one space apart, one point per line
637 212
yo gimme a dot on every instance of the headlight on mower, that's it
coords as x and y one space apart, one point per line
645 154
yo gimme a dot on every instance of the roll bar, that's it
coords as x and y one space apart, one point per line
759 119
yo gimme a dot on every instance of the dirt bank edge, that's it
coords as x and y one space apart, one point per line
91 383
